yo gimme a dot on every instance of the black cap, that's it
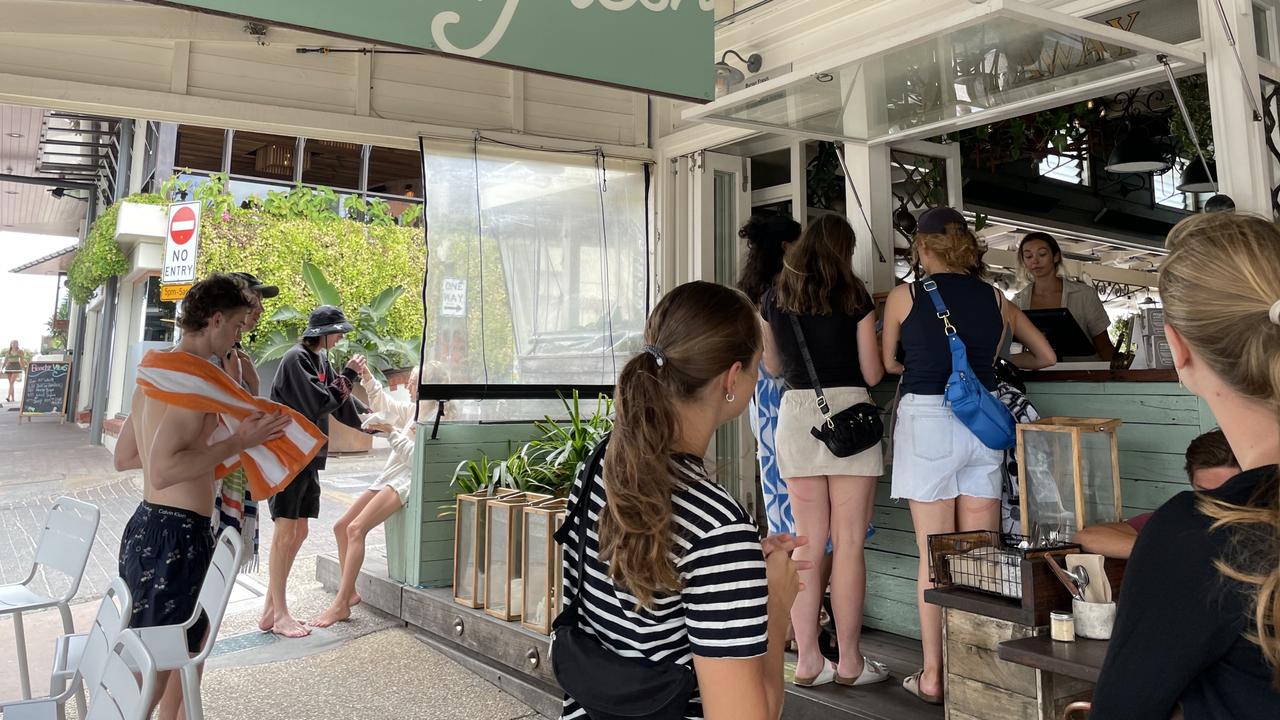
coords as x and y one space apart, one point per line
327 320
256 285
934 221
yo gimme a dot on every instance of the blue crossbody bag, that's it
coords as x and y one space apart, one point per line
979 410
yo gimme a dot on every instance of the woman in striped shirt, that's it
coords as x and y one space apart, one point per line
675 568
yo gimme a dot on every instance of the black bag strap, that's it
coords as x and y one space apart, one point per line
582 514
823 407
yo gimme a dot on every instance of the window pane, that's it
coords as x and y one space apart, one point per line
395 172
538 266
333 164
159 320
265 156
199 148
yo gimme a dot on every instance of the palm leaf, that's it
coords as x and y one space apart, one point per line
287 314
276 345
381 304
324 291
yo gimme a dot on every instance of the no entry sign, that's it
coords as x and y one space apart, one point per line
181 243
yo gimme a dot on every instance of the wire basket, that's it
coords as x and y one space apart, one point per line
986 560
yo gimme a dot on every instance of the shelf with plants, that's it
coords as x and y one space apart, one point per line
507 509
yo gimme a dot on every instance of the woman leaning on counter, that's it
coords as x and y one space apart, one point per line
1041 259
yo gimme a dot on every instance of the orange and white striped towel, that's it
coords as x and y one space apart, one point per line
194 383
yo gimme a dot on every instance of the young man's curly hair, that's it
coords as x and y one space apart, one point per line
215 294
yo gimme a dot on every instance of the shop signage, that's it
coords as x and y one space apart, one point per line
665 47
453 298
174 293
181 243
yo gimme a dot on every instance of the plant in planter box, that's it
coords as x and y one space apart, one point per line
372 336
553 461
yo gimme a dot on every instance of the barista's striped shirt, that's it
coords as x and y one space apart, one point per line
721 612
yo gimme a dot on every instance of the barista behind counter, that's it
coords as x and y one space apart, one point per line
1041 259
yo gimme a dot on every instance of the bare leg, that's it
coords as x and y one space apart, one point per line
169 703
849 499
930 518
340 535
812 511
974 513
380 506
284 548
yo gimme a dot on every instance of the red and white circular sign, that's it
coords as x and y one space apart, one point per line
183 225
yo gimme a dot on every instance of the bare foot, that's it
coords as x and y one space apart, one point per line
268 619
335 614
286 626
355 600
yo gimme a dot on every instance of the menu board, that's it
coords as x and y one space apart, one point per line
45 391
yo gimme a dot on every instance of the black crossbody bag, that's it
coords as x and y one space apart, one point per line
849 431
606 685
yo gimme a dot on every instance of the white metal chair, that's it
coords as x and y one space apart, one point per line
64 547
128 682
168 643
94 650
74 662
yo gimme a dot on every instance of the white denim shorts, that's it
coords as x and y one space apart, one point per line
935 457
800 454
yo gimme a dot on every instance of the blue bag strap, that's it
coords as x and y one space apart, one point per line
959 354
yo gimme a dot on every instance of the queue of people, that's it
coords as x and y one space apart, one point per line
673 570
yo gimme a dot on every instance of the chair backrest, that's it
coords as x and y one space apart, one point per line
123 693
219 582
111 620
67 539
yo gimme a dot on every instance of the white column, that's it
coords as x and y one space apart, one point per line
1240 150
867 178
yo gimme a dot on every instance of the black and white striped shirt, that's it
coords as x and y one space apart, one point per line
722 610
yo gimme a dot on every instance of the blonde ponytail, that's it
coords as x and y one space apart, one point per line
1219 283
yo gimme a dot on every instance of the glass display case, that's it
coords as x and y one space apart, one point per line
1068 475
542 571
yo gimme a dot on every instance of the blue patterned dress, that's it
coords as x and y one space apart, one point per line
764 424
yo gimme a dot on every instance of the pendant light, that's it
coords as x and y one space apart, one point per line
1138 153
1199 177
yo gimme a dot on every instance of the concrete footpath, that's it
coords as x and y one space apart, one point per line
371 666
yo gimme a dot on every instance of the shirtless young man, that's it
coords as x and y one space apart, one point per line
168 544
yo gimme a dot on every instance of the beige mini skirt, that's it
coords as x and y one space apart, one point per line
800 454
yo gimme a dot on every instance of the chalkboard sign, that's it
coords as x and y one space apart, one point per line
45 391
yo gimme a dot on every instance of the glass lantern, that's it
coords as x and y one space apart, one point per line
1068 475
504 533
542 566
468 547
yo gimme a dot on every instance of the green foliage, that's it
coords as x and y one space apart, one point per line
1195 91
99 256
357 264
549 464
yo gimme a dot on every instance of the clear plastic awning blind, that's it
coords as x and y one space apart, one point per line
965 64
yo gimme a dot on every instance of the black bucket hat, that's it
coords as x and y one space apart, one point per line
327 320
264 291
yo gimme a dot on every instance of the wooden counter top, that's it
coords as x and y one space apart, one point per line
1101 376
1081 659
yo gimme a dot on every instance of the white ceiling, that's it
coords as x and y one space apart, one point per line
30 208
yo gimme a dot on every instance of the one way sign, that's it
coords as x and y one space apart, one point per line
181 243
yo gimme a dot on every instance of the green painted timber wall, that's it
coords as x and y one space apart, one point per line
1160 419
422 555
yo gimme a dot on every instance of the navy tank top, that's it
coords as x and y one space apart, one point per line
976 317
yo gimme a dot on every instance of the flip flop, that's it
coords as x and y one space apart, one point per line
912 685
872 672
827 676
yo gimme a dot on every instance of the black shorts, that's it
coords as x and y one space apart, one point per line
164 555
301 499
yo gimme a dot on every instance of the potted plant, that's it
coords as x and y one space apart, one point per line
388 356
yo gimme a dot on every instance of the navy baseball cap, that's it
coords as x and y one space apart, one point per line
256 285
934 221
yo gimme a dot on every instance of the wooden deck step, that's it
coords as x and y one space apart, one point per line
505 653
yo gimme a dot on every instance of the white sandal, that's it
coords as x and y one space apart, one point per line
873 672
826 677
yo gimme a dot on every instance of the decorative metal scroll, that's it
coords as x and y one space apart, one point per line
1270 112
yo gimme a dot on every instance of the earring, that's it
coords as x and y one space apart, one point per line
730 397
